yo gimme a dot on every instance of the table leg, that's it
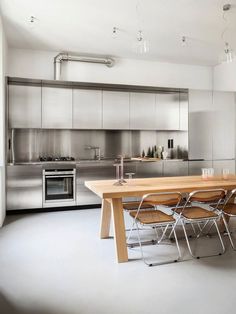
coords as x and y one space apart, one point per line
119 230
105 219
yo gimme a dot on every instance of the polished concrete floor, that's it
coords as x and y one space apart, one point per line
55 263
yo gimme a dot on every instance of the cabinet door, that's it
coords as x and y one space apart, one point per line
183 112
87 109
195 167
91 171
115 110
142 111
56 108
218 165
167 111
149 169
24 187
200 124
25 106
175 168
223 125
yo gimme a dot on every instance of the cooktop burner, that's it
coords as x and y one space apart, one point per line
57 158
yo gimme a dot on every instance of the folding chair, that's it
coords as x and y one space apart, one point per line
201 207
156 218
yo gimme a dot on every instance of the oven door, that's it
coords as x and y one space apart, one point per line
59 190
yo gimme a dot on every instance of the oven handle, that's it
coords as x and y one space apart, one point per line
60 176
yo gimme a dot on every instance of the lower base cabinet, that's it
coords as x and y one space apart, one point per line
219 165
195 167
149 169
24 187
175 168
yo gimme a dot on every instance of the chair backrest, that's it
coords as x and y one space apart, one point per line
171 199
230 197
207 196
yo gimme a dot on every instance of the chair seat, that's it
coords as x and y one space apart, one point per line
196 212
230 209
152 217
134 206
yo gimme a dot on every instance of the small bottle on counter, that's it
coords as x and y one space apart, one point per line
152 152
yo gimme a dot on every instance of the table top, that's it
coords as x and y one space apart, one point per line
139 187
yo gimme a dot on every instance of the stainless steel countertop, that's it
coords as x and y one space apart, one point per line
83 161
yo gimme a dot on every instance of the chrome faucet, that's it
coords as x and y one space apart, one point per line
97 151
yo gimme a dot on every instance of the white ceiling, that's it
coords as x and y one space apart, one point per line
85 26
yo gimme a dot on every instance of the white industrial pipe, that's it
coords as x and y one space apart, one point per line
66 57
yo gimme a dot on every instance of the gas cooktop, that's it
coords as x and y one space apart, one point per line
57 158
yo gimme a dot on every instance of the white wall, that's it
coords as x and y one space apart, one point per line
39 64
3 62
224 77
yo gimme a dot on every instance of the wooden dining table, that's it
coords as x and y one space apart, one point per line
112 196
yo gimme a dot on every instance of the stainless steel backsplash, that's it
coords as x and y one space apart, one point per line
29 144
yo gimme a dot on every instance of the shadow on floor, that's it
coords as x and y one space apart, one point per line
7 308
12 218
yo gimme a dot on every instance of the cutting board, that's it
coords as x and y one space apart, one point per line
145 159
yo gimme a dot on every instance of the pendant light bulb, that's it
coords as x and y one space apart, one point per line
142 45
140 36
228 53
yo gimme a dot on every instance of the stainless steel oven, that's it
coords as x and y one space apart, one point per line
59 187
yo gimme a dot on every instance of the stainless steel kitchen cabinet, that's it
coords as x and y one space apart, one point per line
25 106
223 125
195 167
24 187
87 171
167 111
56 108
183 111
99 170
149 169
175 168
218 165
115 110
200 124
142 111
87 109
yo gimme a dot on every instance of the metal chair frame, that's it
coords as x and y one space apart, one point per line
198 221
164 226
228 233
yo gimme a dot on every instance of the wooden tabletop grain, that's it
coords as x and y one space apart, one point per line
138 187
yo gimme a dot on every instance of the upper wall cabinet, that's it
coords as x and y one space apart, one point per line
200 124
56 108
142 111
223 125
167 111
87 109
24 106
115 110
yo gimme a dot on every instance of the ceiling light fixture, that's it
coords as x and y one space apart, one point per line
142 45
183 41
228 55
31 21
114 32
